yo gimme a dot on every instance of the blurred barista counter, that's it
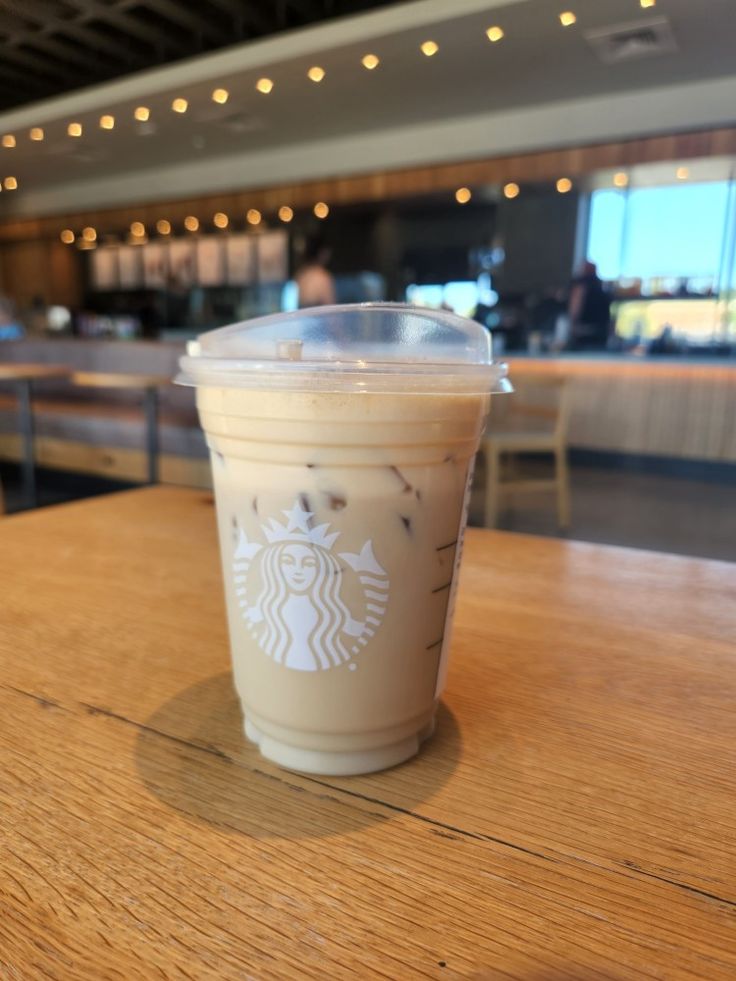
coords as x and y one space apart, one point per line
664 407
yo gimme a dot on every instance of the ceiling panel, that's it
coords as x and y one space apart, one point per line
48 47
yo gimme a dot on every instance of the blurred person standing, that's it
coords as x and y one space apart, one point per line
36 317
11 328
589 309
546 316
315 282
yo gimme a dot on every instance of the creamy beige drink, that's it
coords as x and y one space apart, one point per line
340 517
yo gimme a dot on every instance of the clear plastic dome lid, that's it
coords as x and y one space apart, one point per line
371 347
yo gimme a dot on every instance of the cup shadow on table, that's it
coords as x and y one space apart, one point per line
193 756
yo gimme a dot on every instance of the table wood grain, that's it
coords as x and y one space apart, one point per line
573 817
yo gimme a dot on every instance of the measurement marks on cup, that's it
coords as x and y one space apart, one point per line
443 548
437 643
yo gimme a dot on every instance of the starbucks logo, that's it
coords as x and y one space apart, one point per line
291 593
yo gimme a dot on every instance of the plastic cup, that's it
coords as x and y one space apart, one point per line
342 441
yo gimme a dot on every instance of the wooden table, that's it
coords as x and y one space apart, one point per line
22 376
149 385
573 818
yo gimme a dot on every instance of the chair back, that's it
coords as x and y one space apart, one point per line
544 397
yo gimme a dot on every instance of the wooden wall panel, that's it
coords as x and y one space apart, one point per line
41 267
386 185
65 275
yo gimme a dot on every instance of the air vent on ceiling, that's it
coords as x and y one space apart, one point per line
70 151
637 39
241 122
236 120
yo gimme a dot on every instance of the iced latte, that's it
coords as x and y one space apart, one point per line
341 488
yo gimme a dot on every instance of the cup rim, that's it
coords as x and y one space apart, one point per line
470 371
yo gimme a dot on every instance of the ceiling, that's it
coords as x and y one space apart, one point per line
52 46
542 84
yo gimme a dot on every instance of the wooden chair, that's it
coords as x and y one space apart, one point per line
553 440
149 385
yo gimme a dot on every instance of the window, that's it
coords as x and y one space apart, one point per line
659 232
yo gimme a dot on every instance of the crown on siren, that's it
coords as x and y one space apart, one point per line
296 529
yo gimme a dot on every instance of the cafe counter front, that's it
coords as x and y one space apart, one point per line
665 407
672 409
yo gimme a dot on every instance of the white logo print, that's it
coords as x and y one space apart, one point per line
290 593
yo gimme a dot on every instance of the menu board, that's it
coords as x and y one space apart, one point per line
182 263
210 261
155 265
273 257
240 259
104 269
130 267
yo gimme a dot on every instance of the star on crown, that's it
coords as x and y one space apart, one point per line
297 529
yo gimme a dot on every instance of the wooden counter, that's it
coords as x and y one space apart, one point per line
573 818
667 408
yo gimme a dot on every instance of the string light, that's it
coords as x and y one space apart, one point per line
621 179
74 129
220 219
321 210
163 227
89 234
682 173
191 223
253 216
264 85
370 61
463 195
429 48
107 122
142 114
10 183
316 74
511 190
285 213
564 184
137 229
220 96
36 134
567 18
67 236
180 105
648 3
9 141
494 34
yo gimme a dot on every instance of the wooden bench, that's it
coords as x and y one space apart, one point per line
99 429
